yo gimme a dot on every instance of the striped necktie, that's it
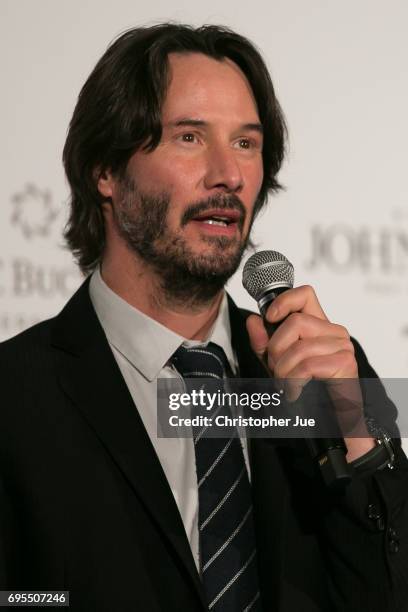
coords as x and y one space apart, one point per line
228 561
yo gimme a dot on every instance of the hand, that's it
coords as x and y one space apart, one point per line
308 346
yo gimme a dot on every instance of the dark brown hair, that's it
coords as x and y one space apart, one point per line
119 111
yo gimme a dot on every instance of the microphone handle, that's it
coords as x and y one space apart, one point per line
329 454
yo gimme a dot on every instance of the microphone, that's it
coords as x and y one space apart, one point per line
267 274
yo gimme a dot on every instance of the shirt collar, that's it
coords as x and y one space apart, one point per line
147 344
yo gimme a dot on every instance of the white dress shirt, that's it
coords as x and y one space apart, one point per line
142 348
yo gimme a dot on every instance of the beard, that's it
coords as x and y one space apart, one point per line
184 275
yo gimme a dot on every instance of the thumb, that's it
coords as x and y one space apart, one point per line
258 336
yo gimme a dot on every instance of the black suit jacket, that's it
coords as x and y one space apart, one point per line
85 505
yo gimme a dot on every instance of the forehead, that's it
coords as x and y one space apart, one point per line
207 88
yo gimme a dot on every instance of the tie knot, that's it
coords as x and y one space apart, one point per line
200 361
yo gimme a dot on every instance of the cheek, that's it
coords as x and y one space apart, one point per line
256 177
183 187
253 183
175 177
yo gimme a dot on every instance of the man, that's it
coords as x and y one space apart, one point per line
175 142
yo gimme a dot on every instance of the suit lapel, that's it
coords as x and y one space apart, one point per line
91 378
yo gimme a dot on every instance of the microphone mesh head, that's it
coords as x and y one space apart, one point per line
266 270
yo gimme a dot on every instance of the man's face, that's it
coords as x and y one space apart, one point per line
186 207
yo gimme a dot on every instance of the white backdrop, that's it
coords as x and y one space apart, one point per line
341 75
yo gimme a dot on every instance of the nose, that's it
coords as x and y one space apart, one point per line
223 170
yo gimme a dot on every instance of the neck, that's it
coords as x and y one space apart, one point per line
140 286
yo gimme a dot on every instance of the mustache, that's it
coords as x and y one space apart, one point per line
221 202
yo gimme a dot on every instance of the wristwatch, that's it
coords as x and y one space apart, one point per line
382 455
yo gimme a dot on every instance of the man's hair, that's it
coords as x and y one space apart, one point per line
119 111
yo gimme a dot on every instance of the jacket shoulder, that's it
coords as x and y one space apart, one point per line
28 343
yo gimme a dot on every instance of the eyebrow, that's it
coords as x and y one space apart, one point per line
256 127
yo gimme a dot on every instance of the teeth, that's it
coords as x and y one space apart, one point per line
215 222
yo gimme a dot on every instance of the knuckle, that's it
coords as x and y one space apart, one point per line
300 348
348 345
341 331
305 368
347 358
309 290
295 319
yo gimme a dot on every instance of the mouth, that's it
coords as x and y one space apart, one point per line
219 221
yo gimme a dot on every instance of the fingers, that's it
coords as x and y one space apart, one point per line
300 326
306 344
258 336
339 364
301 299
300 356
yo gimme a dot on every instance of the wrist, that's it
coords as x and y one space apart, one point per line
357 447
382 455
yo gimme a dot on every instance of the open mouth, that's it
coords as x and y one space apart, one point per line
219 218
222 221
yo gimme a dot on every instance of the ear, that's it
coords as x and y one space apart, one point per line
104 182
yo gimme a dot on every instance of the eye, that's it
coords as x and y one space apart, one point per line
245 143
248 144
188 137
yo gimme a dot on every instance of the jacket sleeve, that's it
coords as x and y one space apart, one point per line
371 518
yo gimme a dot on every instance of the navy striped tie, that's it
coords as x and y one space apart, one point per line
226 533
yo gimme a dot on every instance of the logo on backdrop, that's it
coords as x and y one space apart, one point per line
376 254
33 282
33 211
